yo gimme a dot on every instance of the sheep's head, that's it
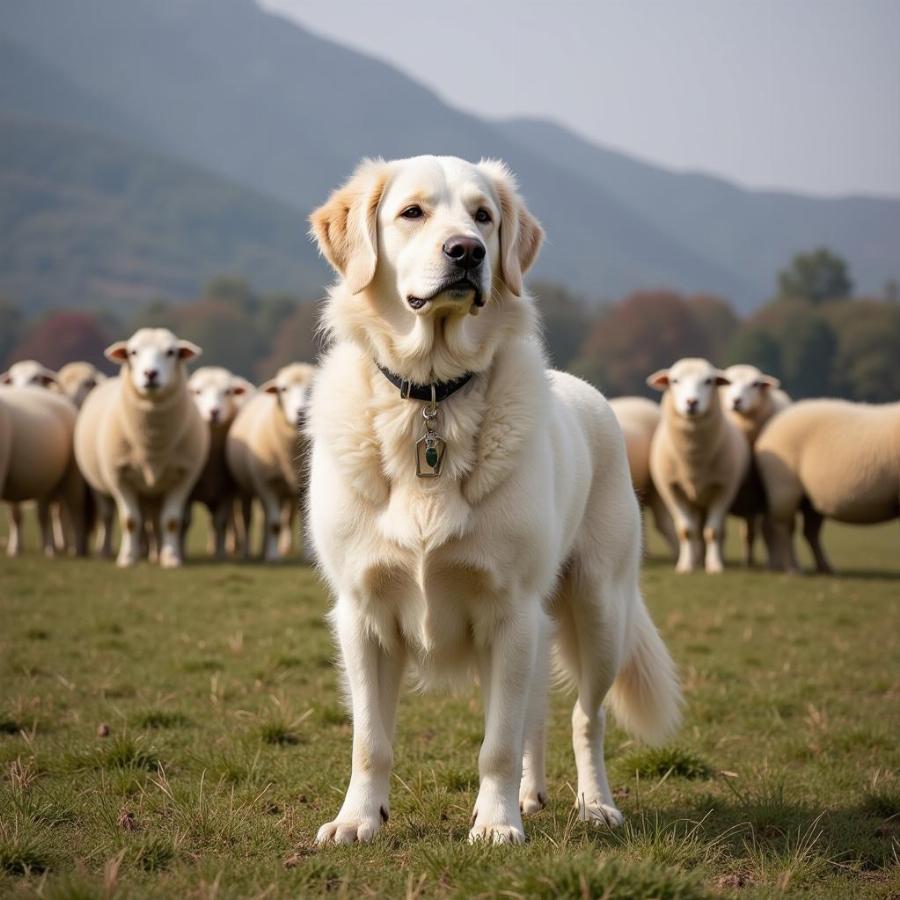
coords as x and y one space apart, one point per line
78 379
153 358
747 388
28 373
292 386
217 393
691 384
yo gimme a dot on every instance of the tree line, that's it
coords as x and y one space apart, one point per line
814 335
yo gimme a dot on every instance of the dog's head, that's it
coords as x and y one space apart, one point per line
428 251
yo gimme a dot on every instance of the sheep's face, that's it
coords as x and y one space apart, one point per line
78 379
691 384
292 388
747 389
153 358
28 373
217 394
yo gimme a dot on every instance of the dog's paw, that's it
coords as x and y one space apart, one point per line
599 813
532 799
349 831
496 834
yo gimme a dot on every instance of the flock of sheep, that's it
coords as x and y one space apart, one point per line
146 446
732 443
150 443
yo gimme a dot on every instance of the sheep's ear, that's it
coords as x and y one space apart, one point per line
521 234
721 378
346 226
49 378
188 350
270 387
659 380
767 381
117 352
6 378
242 386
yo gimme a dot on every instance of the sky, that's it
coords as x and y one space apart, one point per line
796 94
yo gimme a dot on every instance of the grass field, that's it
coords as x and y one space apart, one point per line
227 744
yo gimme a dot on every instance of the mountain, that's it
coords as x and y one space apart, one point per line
754 232
88 220
268 105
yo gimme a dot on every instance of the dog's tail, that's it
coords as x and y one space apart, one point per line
646 697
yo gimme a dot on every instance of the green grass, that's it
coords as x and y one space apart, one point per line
228 744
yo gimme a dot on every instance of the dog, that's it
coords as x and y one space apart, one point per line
468 507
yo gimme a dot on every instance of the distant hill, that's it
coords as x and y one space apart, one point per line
90 221
266 104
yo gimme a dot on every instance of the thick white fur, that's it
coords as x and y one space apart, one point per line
532 529
144 447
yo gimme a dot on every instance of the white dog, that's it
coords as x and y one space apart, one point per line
465 503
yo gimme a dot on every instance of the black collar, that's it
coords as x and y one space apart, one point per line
442 389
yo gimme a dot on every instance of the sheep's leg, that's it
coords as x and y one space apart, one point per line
749 537
714 531
14 541
222 513
105 513
271 504
244 523
71 511
286 536
171 519
46 526
812 530
663 521
132 525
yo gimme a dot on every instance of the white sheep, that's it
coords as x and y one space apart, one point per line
831 459
218 395
140 440
78 379
698 459
28 373
639 418
263 450
36 459
750 400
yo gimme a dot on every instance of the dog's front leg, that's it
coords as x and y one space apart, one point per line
374 677
507 671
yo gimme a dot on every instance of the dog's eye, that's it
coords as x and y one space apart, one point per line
482 215
412 212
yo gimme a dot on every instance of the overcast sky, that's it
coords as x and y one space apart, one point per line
797 94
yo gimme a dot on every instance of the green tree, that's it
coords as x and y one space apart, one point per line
808 351
815 277
755 346
565 321
11 327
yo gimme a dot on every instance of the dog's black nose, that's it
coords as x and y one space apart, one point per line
465 252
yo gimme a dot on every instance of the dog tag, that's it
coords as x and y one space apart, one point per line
429 455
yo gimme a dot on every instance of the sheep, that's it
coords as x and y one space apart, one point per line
698 459
751 398
639 418
36 459
78 379
140 440
750 401
831 459
27 373
262 450
218 395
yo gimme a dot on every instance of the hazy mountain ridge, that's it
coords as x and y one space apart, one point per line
260 101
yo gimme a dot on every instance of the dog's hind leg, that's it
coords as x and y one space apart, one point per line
533 789
590 648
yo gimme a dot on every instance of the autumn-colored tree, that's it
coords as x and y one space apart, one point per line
646 331
62 337
718 321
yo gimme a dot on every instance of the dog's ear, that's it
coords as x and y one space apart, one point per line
521 234
346 226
